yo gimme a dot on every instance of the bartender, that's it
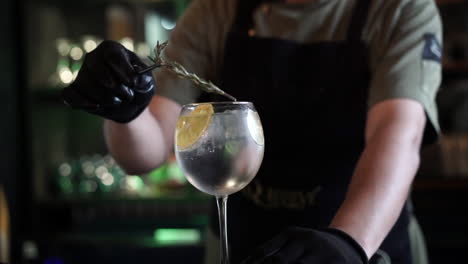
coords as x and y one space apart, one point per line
345 91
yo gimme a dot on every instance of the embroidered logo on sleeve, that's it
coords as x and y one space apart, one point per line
432 48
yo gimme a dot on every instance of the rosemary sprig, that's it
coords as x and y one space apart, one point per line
182 73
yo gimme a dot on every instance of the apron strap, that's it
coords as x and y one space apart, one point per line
244 16
358 20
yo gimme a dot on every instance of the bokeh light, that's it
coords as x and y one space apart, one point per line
76 53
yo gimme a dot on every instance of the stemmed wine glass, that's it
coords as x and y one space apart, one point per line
219 146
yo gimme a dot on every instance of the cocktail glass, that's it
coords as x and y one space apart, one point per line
219 146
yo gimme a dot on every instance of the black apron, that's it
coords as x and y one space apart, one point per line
312 101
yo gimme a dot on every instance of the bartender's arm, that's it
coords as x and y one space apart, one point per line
138 126
405 60
407 66
384 173
375 198
144 143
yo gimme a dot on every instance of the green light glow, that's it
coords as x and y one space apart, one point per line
159 174
176 172
176 236
135 183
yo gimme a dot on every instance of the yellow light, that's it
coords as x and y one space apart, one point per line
87 167
107 179
143 50
65 169
89 45
75 73
127 43
66 76
63 46
76 53
134 183
100 171
231 183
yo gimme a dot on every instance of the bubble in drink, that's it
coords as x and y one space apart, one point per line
227 155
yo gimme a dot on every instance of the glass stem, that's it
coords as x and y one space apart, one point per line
221 201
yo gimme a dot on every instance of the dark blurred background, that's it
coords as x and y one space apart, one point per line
64 200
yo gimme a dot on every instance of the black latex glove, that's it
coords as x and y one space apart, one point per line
108 84
302 245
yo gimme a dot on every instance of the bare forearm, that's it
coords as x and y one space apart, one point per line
138 146
384 173
373 203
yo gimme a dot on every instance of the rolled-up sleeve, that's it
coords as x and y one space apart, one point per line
406 58
197 43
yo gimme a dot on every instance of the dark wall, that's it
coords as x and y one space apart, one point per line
13 137
8 89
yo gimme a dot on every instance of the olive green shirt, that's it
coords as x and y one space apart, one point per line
395 35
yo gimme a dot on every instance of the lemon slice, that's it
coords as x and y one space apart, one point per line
191 127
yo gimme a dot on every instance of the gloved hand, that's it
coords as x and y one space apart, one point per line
108 84
303 245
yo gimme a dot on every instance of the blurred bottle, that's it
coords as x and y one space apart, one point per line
120 22
4 228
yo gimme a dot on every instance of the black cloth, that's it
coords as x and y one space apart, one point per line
302 245
312 100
